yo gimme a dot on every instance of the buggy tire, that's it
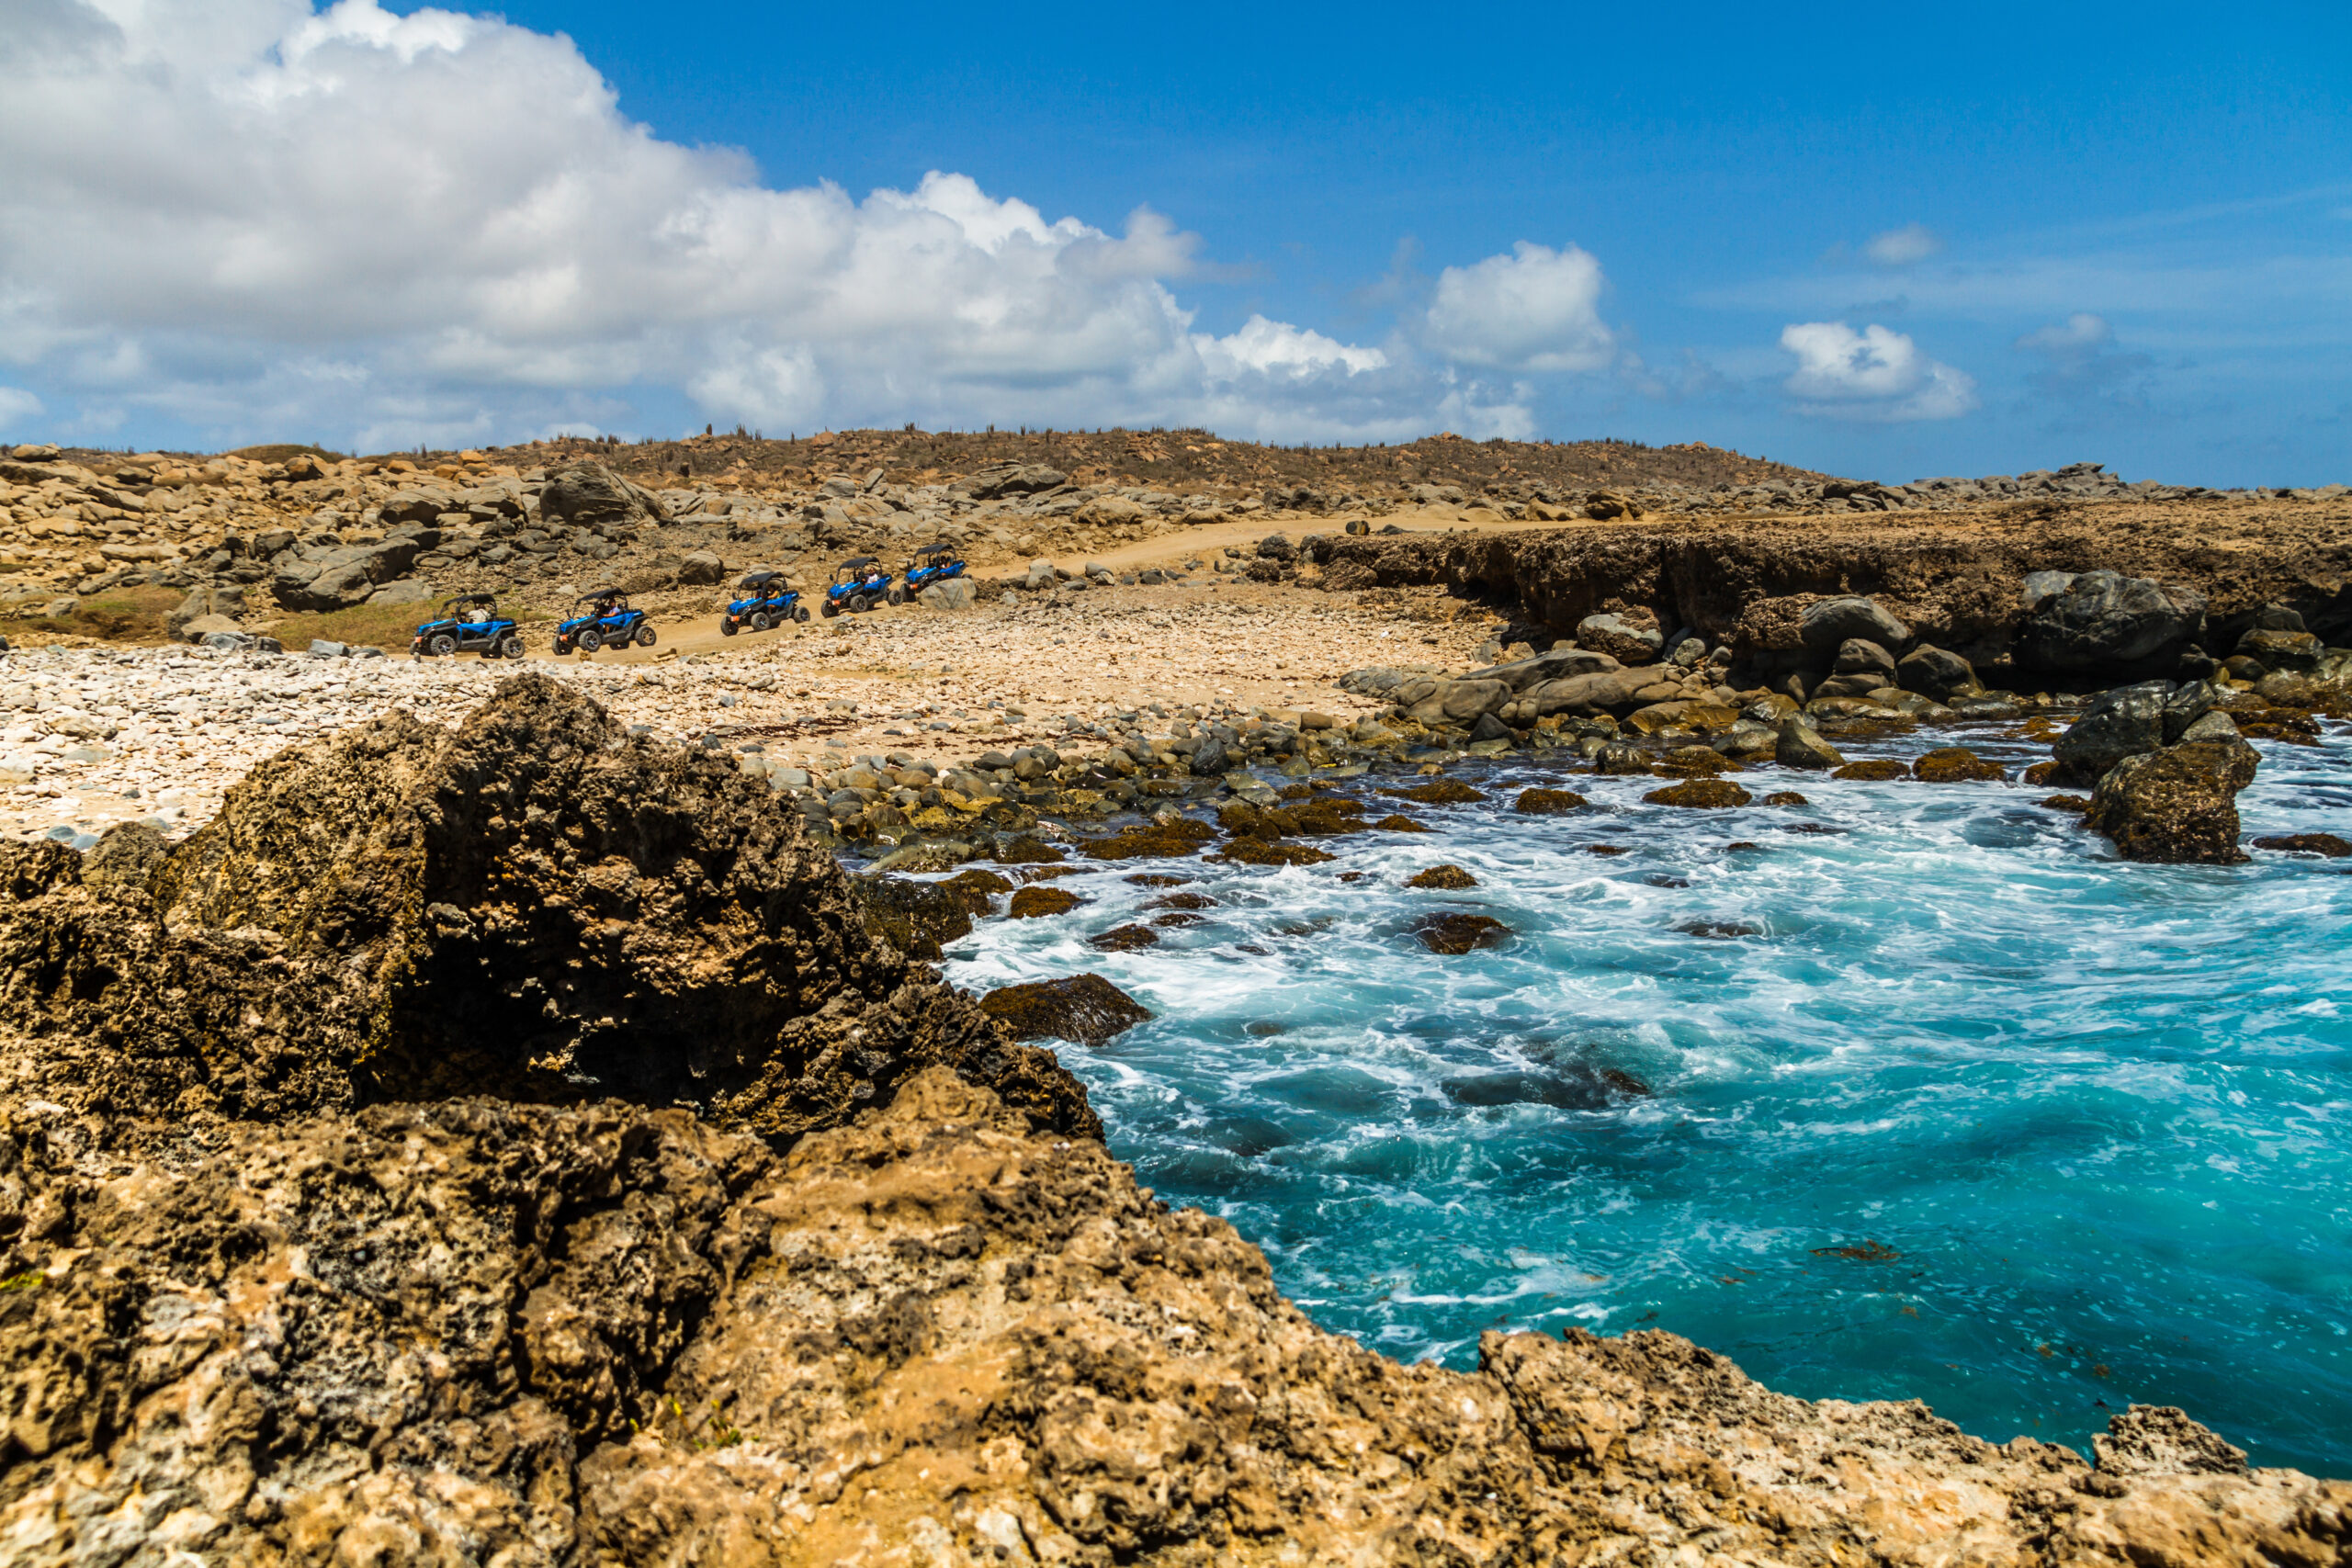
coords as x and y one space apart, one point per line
589 641
441 645
759 620
858 604
511 645
727 625
832 609
897 596
645 634
800 613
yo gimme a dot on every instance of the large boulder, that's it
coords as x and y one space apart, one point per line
336 576
1935 673
998 479
2106 624
701 569
2117 724
954 594
590 495
1558 664
1441 699
1630 636
1582 697
1111 511
1799 745
210 603
1084 1009
536 905
2179 804
1826 624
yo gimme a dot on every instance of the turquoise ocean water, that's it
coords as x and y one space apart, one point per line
1976 1114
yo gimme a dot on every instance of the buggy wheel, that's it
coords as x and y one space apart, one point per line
832 609
858 604
727 625
645 634
897 596
759 620
589 641
511 645
442 646
800 613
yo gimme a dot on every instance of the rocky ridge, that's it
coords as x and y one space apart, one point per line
361 1201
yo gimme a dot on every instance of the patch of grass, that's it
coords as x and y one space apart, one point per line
388 626
121 615
279 451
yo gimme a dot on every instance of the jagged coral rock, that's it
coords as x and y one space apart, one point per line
535 905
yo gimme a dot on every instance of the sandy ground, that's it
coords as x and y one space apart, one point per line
90 736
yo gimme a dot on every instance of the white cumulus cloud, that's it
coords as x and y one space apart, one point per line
17 406
1535 309
259 218
1907 246
1876 374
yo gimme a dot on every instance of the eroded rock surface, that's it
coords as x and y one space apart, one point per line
304 1261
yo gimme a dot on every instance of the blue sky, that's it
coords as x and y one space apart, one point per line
1986 239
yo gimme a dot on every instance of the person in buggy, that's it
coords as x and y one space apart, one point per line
859 584
933 563
766 601
607 621
469 624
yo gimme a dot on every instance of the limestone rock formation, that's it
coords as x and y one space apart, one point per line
2104 623
2179 803
536 905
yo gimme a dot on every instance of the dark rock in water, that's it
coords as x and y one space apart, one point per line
1625 1083
1026 850
2105 623
1829 623
1935 673
1442 792
2327 844
2177 804
1814 830
1174 837
1872 769
1393 823
2186 705
975 888
1442 876
1607 849
1180 900
1743 846
2077 804
1719 931
1177 917
1956 764
2117 724
1085 1009
1455 934
1247 1136
1034 903
1785 797
1275 851
1660 879
1799 745
916 917
1583 1092
1549 802
535 905
1125 939
1705 794
1618 759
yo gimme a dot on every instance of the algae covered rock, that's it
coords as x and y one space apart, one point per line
1455 934
916 917
2177 804
1548 802
1452 877
1702 794
1956 764
1085 1009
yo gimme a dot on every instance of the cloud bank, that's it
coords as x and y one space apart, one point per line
251 217
1876 375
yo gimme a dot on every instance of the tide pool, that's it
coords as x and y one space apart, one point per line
1975 1114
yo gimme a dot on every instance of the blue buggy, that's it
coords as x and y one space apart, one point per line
609 623
765 603
469 624
859 584
933 563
